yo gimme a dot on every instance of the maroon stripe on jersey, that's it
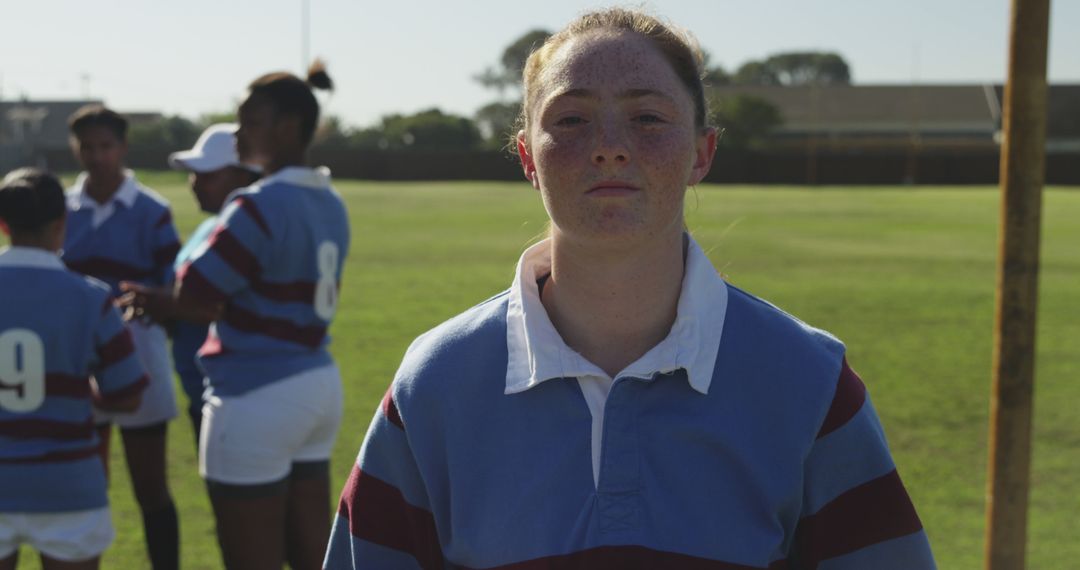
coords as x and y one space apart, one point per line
116 349
377 512
103 268
871 513
847 401
295 292
34 428
127 391
390 410
631 558
195 284
225 244
282 329
252 210
165 255
67 386
164 219
55 456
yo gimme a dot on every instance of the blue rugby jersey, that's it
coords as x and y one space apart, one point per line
782 463
130 238
276 257
57 328
187 337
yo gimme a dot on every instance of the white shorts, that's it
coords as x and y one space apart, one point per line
158 400
254 438
69 537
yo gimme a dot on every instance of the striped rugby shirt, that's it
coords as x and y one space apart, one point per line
57 329
130 238
484 452
187 337
276 257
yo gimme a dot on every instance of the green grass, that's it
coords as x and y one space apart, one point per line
904 276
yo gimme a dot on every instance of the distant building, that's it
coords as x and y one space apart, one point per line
31 132
35 133
890 118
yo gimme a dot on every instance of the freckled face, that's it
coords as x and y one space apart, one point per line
612 143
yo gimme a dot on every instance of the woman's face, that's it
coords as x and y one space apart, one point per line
257 139
612 143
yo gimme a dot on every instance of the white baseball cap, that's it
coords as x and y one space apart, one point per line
215 149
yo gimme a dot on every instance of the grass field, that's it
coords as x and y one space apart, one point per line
905 276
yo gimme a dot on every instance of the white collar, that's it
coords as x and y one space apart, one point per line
537 353
17 256
317 178
128 192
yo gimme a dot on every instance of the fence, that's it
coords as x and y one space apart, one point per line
729 167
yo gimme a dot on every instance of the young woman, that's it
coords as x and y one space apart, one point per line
272 265
215 173
119 230
621 406
57 329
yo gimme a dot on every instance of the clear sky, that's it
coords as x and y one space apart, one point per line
191 57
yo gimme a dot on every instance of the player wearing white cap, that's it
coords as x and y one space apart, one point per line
215 173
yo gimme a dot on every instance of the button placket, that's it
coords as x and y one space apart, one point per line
618 491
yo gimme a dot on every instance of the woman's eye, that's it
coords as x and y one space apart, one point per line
570 121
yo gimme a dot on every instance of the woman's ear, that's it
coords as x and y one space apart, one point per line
704 151
527 163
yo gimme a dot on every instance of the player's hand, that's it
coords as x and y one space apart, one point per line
141 302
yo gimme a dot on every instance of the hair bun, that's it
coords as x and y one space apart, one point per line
317 76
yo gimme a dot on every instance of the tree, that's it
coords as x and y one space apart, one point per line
810 68
716 76
427 130
208 119
170 134
795 68
755 73
745 120
497 122
512 62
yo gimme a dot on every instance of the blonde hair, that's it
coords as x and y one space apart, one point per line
678 47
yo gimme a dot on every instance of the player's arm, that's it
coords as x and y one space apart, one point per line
856 511
119 377
165 247
163 305
233 257
384 519
122 404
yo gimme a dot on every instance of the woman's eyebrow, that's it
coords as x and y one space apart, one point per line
634 93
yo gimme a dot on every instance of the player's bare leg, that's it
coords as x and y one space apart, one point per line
144 449
308 518
54 564
247 526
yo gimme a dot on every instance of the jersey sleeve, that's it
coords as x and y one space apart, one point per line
234 255
117 370
384 519
166 246
856 512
